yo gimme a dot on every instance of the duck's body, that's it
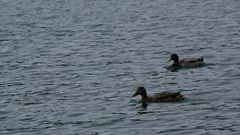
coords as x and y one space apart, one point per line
185 63
191 62
159 97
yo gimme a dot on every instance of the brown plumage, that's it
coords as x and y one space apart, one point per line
159 97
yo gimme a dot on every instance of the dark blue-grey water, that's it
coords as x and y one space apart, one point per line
71 67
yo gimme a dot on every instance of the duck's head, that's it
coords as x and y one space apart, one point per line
174 58
142 92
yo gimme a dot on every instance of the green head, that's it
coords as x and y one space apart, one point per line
174 58
142 92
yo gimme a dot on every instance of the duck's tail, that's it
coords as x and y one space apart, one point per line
178 96
201 59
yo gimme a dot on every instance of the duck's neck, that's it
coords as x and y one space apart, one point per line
176 61
144 96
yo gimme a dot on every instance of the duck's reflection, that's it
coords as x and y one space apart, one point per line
144 105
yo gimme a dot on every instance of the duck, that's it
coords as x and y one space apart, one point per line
185 63
158 97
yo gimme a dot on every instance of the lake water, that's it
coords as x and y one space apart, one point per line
71 67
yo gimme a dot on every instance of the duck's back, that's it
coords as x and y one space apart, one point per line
166 97
191 62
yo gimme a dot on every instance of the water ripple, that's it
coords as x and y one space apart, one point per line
71 67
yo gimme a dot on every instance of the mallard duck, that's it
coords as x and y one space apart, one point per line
186 62
158 97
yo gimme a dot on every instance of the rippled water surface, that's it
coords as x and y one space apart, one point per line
71 67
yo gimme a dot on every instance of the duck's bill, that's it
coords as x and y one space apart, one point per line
134 95
168 60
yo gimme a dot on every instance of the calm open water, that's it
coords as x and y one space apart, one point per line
71 67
